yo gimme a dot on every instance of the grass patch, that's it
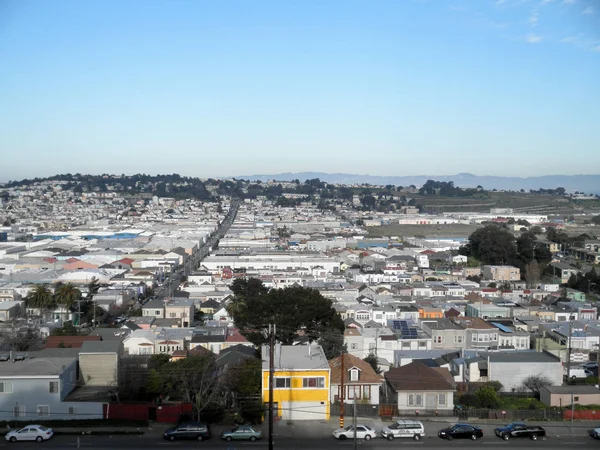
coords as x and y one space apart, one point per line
521 403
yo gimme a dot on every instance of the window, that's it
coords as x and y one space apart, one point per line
415 400
354 374
172 315
157 312
576 399
313 382
438 339
72 410
458 339
353 392
19 411
6 387
353 346
474 338
405 345
442 399
43 410
366 392
282 382
422 344
53 387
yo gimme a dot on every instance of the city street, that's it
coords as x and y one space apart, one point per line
144 442
172 283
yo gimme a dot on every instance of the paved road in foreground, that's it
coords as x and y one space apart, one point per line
143 442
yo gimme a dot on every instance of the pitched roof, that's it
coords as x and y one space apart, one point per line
367 374
69 341
416 376
127 261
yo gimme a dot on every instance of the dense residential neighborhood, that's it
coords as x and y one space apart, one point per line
109 298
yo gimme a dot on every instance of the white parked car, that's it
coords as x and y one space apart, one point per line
362 432
37 433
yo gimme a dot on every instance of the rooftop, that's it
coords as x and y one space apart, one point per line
36 366
296 357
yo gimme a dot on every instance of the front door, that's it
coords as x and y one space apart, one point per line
429 401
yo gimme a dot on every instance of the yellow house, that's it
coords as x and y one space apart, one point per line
301 385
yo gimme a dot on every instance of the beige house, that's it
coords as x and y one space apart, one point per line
180 308
561 395
501 273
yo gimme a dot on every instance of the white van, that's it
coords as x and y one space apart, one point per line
404 428
580 372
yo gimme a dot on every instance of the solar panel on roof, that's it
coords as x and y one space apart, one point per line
502 327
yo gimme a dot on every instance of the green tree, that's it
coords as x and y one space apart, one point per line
491 244
40 298
67 295
372 360
243 382
488 397
298 312
190 379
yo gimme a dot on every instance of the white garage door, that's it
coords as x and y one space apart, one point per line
303 411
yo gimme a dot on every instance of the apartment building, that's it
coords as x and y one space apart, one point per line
501 273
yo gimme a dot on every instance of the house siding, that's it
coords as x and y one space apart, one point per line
429 400
30 393
98 369
511 375
297 402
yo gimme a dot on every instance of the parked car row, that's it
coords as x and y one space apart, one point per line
415 430
200 431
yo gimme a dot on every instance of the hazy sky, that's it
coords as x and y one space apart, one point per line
221 88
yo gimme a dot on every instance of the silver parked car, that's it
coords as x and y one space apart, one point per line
404 429
37 433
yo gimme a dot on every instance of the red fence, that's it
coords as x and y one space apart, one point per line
584 414
165 412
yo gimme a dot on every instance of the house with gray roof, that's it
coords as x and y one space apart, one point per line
35 388
512 368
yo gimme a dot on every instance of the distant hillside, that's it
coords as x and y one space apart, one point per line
582 183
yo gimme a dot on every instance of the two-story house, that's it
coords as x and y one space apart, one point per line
445 334
154 308
36 388
140 342
302 375
182 309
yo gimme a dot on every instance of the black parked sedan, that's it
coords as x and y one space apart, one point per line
461 431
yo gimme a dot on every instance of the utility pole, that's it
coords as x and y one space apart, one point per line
569 349
271 371
572 409
343 393
354 422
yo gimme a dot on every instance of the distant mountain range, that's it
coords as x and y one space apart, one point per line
590 184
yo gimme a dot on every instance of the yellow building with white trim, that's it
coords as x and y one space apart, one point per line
301 387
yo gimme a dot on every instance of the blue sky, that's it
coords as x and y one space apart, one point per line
223 88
